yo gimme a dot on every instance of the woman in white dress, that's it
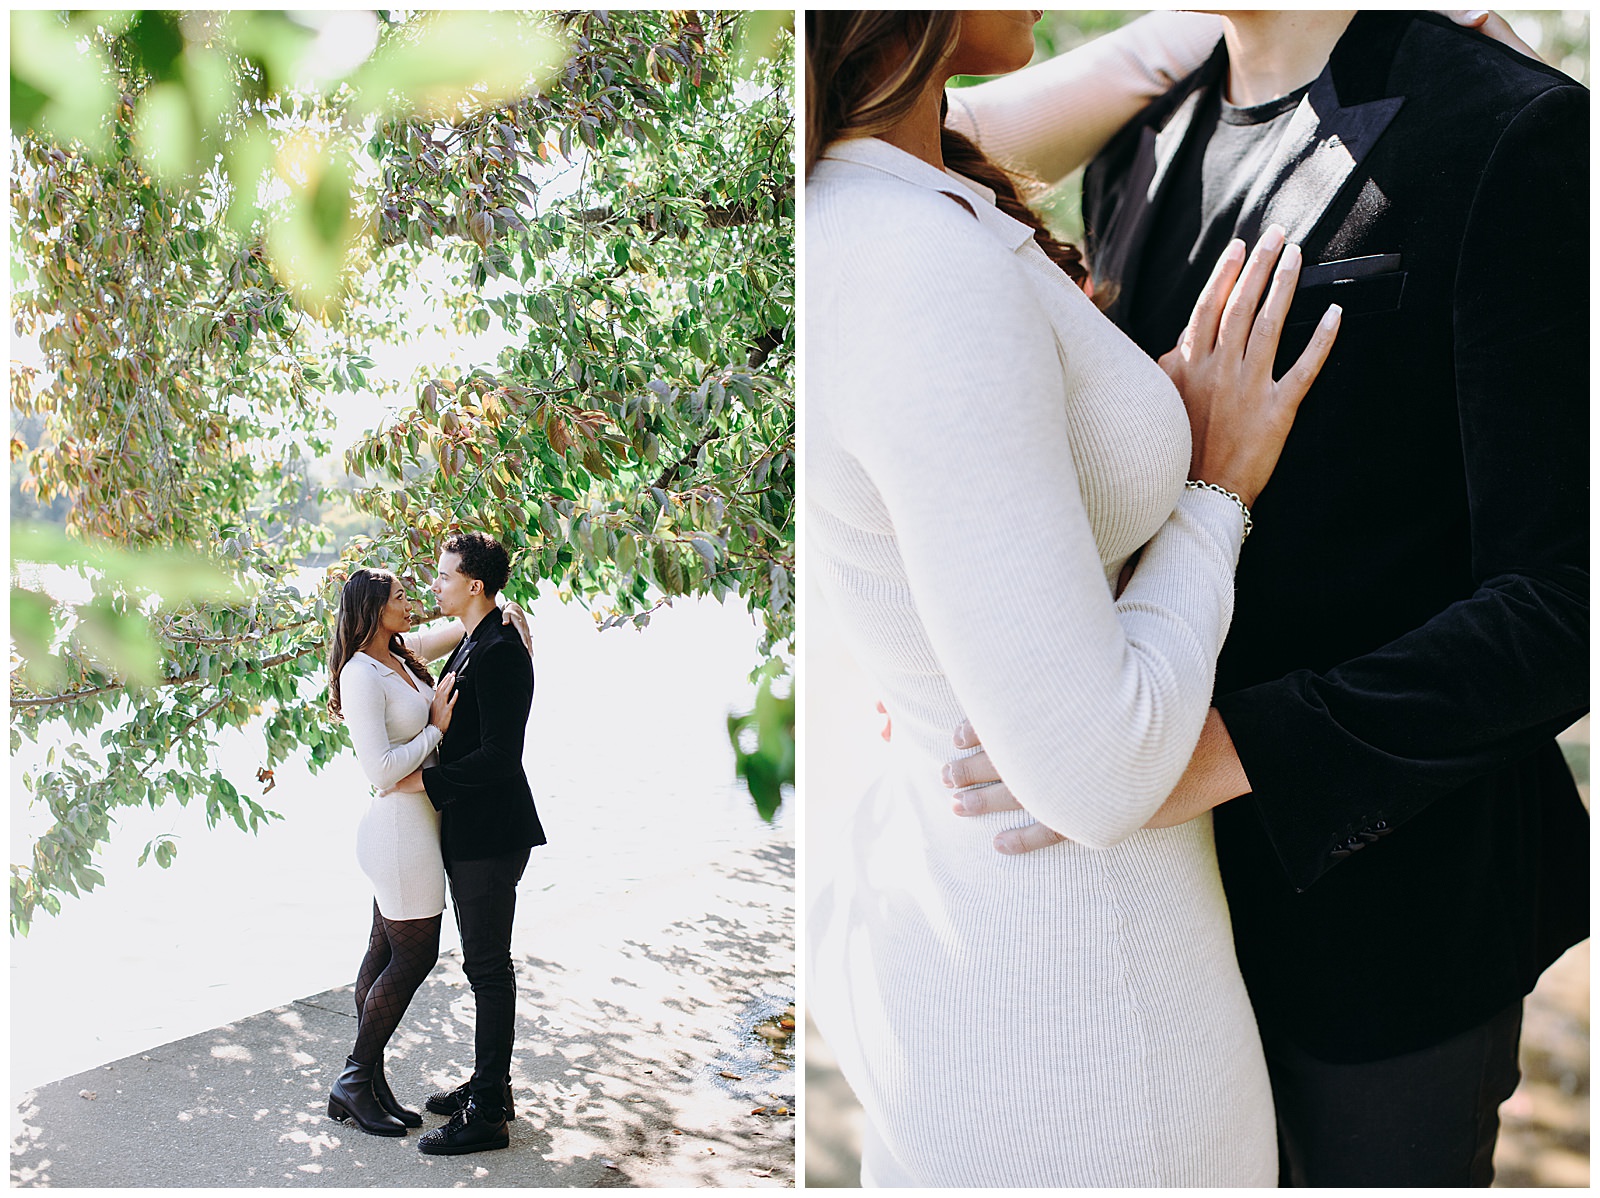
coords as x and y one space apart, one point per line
381 688
984 455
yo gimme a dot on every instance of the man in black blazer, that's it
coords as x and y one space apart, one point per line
488 826
1405 850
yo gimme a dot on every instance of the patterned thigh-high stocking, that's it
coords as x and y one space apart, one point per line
374 962
413 951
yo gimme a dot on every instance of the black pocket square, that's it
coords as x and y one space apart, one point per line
1359 286
1347 270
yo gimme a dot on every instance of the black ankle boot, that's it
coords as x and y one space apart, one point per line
352 1099
450 1101
387 1100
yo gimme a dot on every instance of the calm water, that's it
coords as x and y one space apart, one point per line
628 756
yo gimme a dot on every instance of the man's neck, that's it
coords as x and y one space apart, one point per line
1272 52
475 612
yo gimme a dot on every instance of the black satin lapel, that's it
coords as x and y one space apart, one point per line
458 658
1151 169
1170 140
1320 150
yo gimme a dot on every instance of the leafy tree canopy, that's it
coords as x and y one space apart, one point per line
219 218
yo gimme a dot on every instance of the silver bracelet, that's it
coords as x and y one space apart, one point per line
1195 484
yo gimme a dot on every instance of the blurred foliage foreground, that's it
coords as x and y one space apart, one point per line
216 217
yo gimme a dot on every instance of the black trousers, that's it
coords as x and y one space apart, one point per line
484 895
1428 1118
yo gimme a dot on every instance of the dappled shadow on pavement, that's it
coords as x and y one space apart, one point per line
623 1043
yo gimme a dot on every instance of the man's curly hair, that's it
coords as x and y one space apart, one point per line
483 558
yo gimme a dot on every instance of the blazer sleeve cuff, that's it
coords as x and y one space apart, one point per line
1310 782
433 783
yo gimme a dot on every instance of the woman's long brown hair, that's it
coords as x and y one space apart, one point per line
361 606
864 74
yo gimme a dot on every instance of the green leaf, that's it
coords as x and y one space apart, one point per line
27 105
157 42
56 59
183 437
452 58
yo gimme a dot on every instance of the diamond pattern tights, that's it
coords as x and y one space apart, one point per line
400 954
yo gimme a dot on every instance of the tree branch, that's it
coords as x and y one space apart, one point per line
764 345
670 474
157 758
178 637
39 701
718 216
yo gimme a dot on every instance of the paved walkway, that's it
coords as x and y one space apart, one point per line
639 1062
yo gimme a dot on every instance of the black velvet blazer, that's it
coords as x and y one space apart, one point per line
1412 623
479 787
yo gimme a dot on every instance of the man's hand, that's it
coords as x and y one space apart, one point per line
411 784
988 793
1214 775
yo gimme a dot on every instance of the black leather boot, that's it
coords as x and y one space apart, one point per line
352 1099
469 1130
451 1101
387 1100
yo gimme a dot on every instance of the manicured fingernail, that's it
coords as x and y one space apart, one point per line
1474 15
1235 250
1004 844
1331 316
949 779
1275 235
1291 256
961 737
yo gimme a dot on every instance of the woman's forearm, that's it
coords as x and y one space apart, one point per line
435 641
1052 117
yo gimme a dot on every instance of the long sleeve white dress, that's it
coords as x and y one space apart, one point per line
983 452
397 841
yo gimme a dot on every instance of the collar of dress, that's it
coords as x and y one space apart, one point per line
878 154
376 664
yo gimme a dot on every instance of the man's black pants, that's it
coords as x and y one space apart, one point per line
484 894
1428 1118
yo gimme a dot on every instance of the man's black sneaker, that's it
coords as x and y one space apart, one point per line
451 1101
468 1131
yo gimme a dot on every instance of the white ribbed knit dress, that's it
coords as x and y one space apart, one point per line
397 841
983 452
